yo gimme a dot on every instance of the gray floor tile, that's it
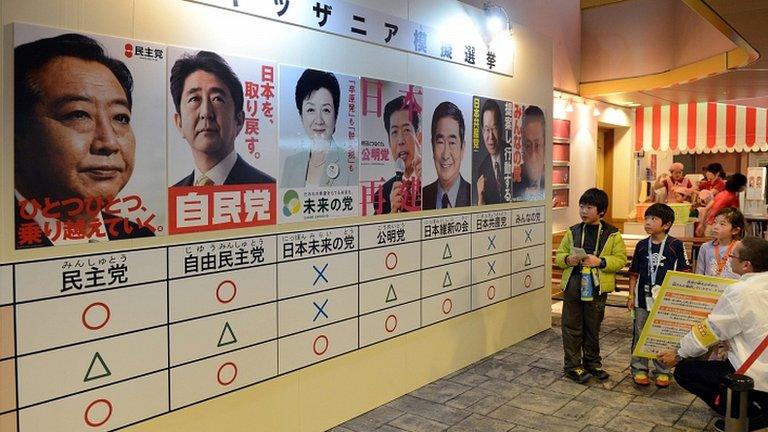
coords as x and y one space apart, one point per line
540 378
624 423
597 396
487 404
540 401
428 409
373 419
665 413
534 420
477 423
468 398
440 391
415 423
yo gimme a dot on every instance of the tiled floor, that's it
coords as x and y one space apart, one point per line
522 388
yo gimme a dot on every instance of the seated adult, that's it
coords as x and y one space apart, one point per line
740 319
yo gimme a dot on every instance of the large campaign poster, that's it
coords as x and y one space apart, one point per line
528 151
492 135
222 141
447 163
391 131
318 144
89 138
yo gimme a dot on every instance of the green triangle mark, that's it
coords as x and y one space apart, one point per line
527 259
227 336
447 280
447 252
101 369
391 294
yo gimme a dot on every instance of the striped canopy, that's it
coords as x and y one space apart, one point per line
704 127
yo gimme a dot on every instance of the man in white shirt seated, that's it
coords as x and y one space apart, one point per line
740 318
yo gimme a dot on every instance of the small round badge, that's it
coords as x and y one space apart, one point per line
332 170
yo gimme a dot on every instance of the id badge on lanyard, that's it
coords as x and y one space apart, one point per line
595 275
653 270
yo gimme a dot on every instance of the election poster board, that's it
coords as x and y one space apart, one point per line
492 133
222 141
684 300
318 144
447 161
529 141
391 130
89 142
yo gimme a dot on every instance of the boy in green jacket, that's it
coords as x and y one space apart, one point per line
605 254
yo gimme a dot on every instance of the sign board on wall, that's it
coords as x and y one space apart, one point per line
350 20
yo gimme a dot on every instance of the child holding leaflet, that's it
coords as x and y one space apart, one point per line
653 257
590 254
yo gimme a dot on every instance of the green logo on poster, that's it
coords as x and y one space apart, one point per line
291 203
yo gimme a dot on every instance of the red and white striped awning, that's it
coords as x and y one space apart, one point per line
704 127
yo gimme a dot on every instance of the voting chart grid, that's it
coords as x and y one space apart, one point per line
98 342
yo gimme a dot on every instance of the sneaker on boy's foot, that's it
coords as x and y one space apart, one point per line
755 424
599 373
578 374
641 378
662 380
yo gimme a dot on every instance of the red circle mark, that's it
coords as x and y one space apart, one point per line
234 373
491 293
86 415
128 50
387 324
449 307
527 281
218 292
96 326
325 348
387 260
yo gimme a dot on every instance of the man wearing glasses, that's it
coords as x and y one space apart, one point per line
740 317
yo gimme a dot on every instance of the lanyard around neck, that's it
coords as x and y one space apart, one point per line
597 240
721 262
653 270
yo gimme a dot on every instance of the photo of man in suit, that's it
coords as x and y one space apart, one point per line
402 122
492 186
450 189
74 145
208 97
531 185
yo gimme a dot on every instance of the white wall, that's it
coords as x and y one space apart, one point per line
584 156
558 20
365 378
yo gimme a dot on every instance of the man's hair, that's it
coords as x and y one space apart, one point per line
596 197
735 182
493 106
663 212
448 109
31 57
734 217
312 80
755 250
212 63
534 114
399 104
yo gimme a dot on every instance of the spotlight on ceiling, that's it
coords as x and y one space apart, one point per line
496 18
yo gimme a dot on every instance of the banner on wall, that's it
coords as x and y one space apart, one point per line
447 160
528 124
222 141
357 22
319 176
89 159
391 131
756 183
491 151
